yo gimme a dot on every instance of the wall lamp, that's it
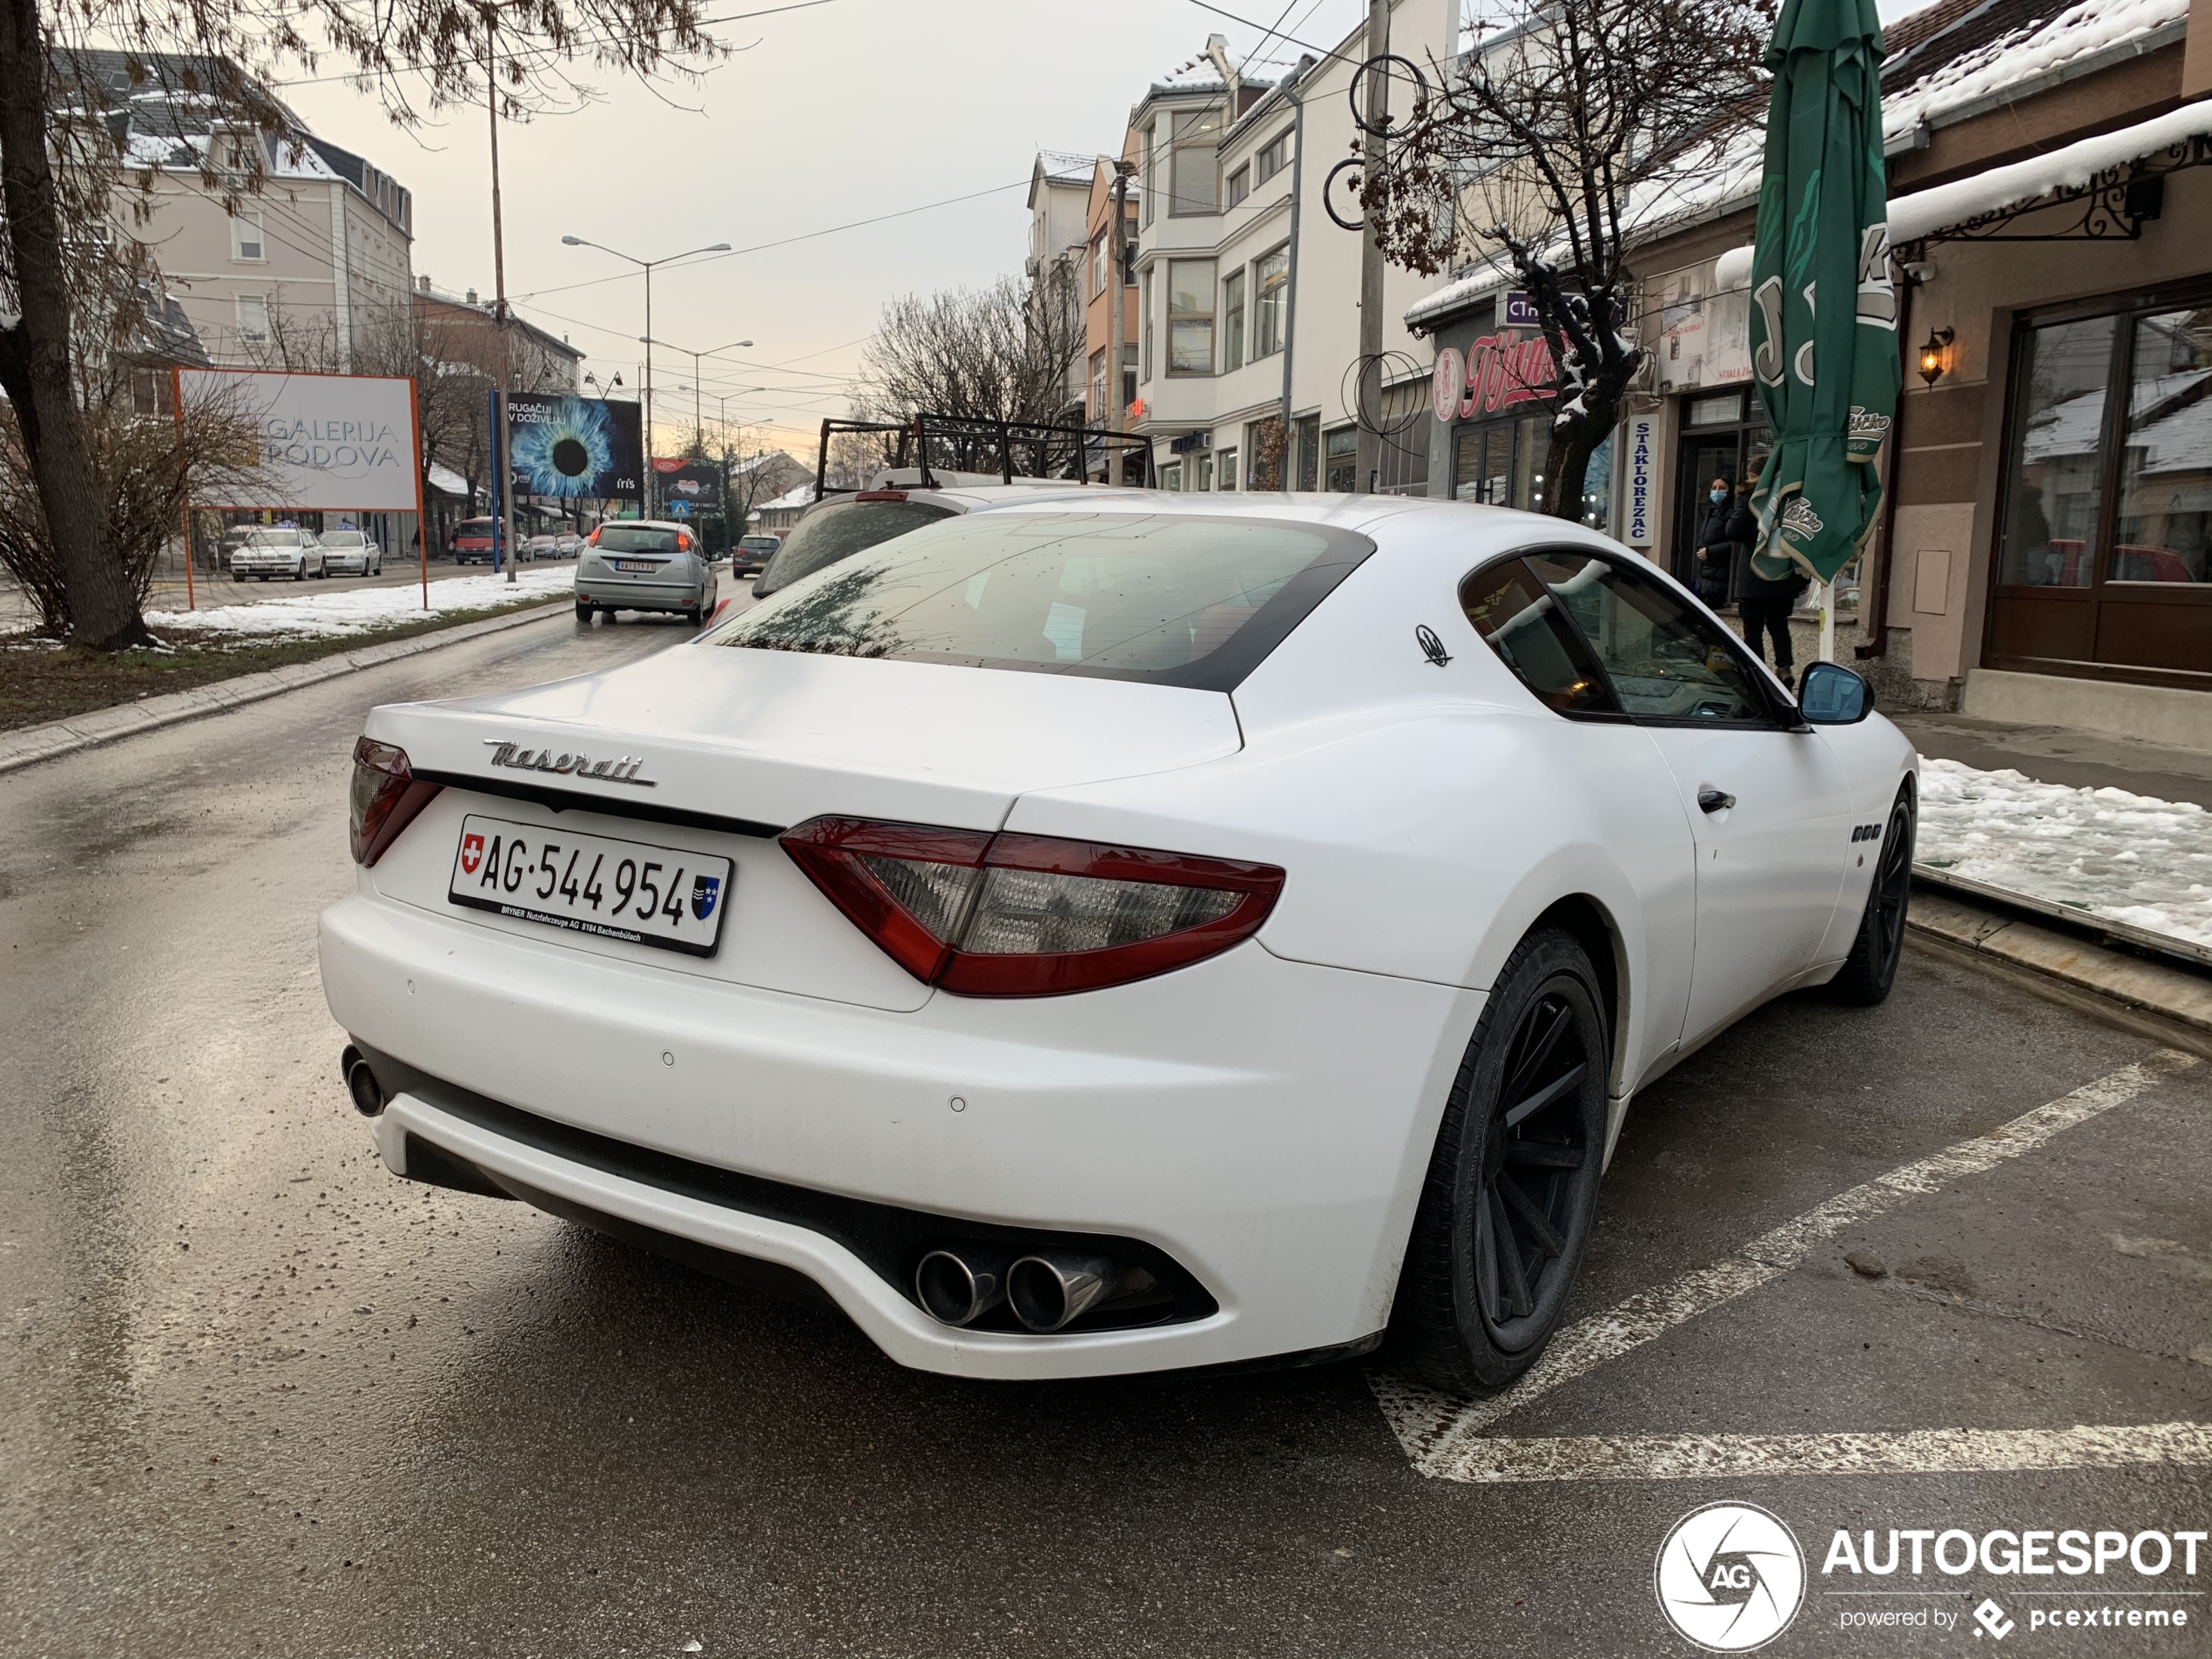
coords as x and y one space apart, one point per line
1935 356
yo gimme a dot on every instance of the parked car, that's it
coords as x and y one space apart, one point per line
263 553
351 553
1176 931
541 547
567 544
892 505
644 565
474 540
753 553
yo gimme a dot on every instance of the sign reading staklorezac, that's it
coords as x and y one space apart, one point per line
328 443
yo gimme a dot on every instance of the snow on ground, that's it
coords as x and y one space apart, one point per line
359 611
2130 857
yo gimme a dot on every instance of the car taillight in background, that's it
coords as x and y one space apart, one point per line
983 915
385 797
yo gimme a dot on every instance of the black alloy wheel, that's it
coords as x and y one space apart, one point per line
1870 970
1512 1191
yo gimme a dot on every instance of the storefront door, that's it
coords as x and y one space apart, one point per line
1722 437
1500 463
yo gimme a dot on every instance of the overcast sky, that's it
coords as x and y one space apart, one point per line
844 111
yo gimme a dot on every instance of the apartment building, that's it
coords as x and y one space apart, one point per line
299 255
1109 282
1248 294
1057 264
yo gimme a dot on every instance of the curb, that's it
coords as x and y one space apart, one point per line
2155 999
33 744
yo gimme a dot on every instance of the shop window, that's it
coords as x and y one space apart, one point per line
1201 473
2051 510
1233 321
1226 477
1264 443
1191 298
1309 452
1341 460
1408 421
1272 293
1172 477
2164 510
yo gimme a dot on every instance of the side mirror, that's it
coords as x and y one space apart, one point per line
1830 694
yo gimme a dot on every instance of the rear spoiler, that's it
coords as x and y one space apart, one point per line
958 441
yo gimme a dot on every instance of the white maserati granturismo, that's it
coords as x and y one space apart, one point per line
1088 937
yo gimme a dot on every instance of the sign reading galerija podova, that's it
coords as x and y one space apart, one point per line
327 443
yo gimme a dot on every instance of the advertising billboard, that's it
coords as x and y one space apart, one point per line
688 487
576 449
328 443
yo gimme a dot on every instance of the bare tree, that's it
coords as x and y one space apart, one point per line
63 170
1001 352
1543 153
149 457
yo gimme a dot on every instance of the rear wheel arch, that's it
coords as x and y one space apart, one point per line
1592 928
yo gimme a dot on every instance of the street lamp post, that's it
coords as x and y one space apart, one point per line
685 351
647 265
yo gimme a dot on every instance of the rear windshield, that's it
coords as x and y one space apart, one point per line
1153 597
839 530
342 538
758 543
636 538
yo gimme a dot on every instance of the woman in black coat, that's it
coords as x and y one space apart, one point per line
1763 603
1716 554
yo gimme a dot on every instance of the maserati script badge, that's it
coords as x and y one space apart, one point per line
622 770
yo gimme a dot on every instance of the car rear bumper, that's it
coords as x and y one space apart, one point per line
1264 1124
640 596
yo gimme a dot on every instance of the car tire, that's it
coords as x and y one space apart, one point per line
584 612
1871 970
1470 1318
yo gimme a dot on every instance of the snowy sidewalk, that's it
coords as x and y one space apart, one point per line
361 611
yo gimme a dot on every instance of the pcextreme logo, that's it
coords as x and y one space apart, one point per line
1729 1577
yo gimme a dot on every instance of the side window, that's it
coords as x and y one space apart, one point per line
1664 661
1523 624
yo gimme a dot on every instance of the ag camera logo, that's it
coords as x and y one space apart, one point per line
1729 1577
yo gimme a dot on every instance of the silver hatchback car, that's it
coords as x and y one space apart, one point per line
644 564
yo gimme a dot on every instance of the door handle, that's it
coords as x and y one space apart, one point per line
1714 800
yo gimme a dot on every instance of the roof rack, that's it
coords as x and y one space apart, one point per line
958 443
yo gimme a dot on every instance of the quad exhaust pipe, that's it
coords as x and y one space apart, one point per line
1046 1291
361 1082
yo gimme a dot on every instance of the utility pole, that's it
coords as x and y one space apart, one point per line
1369 451
502 473
1117 307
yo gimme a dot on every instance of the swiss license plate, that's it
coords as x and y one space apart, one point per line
662 896
636 566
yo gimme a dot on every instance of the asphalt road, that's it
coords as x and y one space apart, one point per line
258 1396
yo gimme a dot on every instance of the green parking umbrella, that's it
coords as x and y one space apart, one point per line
1824 301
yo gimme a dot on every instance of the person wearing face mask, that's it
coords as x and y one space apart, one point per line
1715 552
1763 603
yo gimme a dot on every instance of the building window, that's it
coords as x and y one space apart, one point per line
1309 452
1233 321
1098 265
1272 159
1227 478
1144 304
1098 384
1262 443
1129 252
1144 171
1341 471
1190 317
1129 372
246 236
1172 477
1408 421
1194 169
1272 285
1240 185
1201 472
152 391
253 318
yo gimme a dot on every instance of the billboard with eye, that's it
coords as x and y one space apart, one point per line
576 448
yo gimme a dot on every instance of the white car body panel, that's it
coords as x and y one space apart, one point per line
1265 1115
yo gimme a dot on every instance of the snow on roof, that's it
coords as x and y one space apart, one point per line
803 495
446 480
761 461
2044 47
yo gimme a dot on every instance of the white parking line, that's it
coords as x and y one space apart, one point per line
1928 1451
1434 1428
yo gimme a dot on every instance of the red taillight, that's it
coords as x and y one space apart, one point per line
1029 916
386 797
593 538
683 542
